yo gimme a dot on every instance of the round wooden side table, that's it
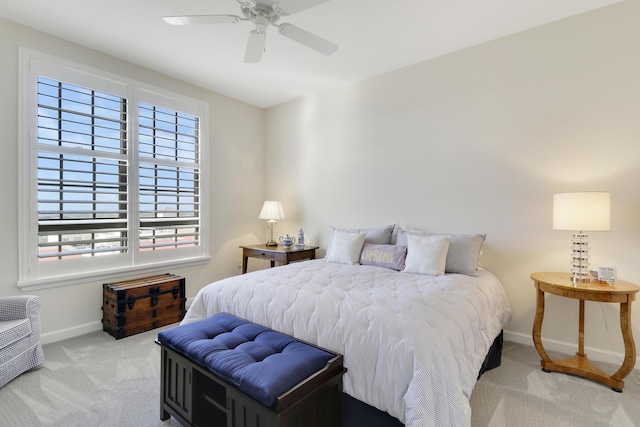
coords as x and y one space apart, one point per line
563 285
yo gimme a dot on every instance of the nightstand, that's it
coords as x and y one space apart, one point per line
276 253
619 292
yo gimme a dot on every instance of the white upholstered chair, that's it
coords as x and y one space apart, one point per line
20 348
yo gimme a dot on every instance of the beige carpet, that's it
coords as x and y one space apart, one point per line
91 380
94 380
519 393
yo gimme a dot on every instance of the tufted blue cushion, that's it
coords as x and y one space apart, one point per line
258 361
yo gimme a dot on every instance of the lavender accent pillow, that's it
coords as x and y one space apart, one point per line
388 256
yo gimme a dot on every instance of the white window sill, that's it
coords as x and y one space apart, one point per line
107 275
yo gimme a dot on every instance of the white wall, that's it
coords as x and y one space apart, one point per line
236 187
479 141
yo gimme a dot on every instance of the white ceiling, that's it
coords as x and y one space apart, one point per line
375 36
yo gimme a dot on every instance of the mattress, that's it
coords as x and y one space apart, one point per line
413 344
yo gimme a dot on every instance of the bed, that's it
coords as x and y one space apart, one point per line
414 344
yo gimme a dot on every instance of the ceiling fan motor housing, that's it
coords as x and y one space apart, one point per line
260 9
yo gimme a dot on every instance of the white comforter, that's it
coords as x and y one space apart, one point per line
413 344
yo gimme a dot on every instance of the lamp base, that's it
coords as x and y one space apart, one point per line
580 257
271 224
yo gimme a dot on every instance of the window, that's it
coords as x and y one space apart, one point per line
169 178
112 178
82 172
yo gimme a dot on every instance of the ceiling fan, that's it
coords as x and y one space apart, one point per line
263 13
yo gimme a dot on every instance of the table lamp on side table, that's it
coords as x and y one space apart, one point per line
584 211
271 211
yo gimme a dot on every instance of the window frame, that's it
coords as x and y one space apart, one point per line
36 275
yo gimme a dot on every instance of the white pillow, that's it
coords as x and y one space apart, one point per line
376 235
346 247
464 250
426 254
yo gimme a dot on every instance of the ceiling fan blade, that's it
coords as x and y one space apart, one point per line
289 7
202 19
255 46
306 38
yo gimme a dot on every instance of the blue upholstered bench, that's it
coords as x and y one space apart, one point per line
226 368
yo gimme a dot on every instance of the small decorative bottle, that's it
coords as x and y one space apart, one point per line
300 237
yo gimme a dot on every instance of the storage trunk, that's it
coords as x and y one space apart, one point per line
139 305
196 397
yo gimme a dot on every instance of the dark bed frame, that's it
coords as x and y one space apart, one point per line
357 414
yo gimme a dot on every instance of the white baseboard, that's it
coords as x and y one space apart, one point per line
75 331
595 354
63 334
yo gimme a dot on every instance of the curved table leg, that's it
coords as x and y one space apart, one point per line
537 329
629 345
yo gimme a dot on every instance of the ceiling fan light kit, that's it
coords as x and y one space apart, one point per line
263 13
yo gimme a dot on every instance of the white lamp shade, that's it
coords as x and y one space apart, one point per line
588 211
271 210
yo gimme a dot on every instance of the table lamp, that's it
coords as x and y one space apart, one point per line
271 211
584 211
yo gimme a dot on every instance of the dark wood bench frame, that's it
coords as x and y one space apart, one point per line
197 397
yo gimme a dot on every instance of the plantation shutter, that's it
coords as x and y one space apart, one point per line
82 171
169 178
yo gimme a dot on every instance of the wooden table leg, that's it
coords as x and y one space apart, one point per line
244 263
537 329
580 364
581 330
629 345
